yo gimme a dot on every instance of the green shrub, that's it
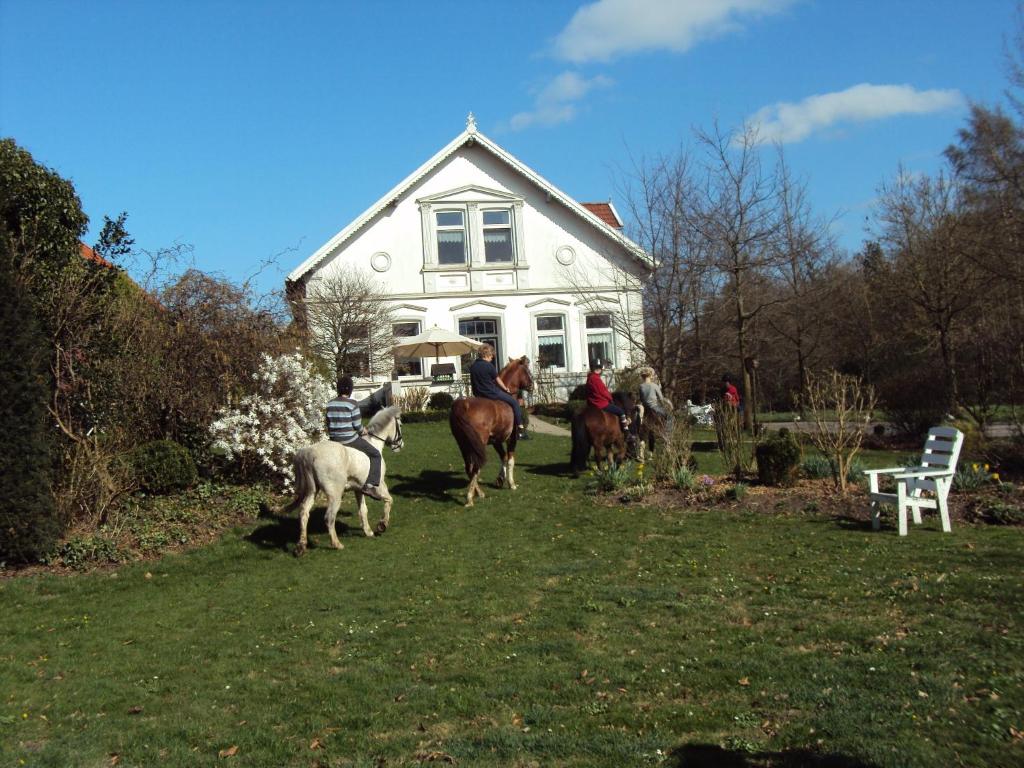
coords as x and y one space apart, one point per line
440 401
820 468
684 479
998 512
81 552
778 459
737 492
971 477
420 417
162 466
613 478
29 522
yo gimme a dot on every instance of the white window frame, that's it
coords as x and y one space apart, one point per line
563 333
419 324
465 229
609 331
511 227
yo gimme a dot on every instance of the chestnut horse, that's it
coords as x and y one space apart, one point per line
477 421
592 427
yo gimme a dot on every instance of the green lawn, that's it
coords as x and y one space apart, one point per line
540 628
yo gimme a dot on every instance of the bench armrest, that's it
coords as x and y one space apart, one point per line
886 471
908 473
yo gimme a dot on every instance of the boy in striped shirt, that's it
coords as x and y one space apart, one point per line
344 425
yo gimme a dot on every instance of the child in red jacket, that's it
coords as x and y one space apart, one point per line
599 396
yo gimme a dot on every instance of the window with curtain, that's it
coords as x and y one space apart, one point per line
600 344
407 366
451 237
497 227
551 341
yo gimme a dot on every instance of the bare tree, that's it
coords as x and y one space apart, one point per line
738 218
349 318
840 408
805 252
930 269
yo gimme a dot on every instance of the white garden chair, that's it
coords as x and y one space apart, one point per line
935 474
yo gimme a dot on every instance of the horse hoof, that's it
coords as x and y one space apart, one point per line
369 534
337 545
381 527
300 550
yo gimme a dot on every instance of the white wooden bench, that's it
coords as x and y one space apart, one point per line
935 474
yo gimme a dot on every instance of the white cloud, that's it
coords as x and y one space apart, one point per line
609 28
788 122
556 102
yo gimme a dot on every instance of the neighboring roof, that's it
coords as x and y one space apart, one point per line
91 255
472 137
605 212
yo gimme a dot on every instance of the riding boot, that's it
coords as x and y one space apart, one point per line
523 434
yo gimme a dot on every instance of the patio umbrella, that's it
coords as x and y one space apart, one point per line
436 342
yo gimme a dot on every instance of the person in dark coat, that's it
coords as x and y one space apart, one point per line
484 381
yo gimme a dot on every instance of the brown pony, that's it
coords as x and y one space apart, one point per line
600 430
477 421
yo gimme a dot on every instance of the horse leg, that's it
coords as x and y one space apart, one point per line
361 498
333 505
384 522
503 456
474 488
511 467
307 505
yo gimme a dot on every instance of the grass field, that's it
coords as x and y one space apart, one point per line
541 628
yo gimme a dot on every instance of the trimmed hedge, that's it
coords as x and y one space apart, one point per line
161 466
440 401
420 417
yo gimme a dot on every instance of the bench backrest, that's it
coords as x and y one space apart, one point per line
941 452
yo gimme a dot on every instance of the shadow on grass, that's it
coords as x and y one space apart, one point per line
557 469
428 484
712 756
282 531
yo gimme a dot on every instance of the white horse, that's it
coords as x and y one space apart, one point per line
331 467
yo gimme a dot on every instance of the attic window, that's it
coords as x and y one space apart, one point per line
497 236
451 237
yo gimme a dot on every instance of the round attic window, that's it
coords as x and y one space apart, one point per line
565 255
380 261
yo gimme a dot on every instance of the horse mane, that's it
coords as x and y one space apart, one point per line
383 416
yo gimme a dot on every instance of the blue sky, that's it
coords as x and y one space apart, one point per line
249 129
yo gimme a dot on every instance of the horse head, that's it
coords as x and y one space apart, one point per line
386 425
516 374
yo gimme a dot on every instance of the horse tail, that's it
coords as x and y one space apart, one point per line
474 452
580 442
305 479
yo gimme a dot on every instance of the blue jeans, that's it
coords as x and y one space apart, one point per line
612 408
517 413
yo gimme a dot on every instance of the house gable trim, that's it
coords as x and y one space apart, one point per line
471 136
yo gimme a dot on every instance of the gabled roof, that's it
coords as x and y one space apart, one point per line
91 255
471 136
605 212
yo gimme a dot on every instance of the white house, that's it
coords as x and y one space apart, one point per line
476 242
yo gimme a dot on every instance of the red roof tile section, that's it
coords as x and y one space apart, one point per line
91 255
605 213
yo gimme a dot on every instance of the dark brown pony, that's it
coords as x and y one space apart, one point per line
477 421
600 430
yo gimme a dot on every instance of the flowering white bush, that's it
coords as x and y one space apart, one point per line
286 413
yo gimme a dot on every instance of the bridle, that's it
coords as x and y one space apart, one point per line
395 442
